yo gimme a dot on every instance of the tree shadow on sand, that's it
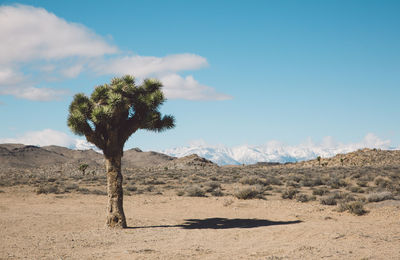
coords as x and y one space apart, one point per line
224 223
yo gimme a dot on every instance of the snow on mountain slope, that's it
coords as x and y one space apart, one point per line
275 151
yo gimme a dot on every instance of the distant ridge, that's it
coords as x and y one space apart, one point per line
272 152
362 157
28 156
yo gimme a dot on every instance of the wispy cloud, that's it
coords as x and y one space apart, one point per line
188 88
42 138
145 66
39 47
50 137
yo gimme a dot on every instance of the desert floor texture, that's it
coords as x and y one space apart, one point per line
71 226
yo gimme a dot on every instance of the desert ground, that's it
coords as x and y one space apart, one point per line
72 226
345 207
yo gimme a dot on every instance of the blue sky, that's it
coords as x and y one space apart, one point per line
235 72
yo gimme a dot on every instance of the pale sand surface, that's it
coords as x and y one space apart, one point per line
71 226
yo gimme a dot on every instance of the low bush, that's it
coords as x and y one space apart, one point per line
355 207
304 197
83 190
379 196
382 182
217 193
46 189
72 186
98 192
329 200
356 189
311 182
252 180
362 183
320 191
131 188
289 194
195 191
213 185
252 192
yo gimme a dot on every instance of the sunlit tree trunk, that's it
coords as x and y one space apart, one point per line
115 210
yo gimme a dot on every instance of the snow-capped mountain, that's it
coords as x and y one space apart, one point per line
275 151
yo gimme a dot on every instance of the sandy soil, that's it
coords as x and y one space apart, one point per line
71 226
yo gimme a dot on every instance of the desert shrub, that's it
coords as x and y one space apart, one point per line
128 193
272 180
83 190
294 178
346 197
149 188
211 186
293 184
336 183
71 186
217 193
46 189
1 191
356 189
362 183
251 192
355 207
98 192
320 191
334 198
153 182
329 200
311 182
195 191
131 188
382 182
379 196
289 193
180 193
304 197
252 180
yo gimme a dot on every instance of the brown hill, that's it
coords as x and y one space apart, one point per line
362 157
19 156
134 158
29 156
192 161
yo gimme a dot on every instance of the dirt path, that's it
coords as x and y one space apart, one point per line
72 227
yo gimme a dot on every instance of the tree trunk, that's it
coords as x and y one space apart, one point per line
115 210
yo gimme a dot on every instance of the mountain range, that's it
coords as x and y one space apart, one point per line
271 152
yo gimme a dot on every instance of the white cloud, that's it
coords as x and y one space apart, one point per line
38 46
73 71
50 137
33 33
34 94
165 68
188 88
145 66
42 138
32 36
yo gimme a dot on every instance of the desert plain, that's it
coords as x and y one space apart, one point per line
345 207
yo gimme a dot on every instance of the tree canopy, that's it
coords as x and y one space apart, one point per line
117 110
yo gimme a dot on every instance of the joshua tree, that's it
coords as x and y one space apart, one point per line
83 168
108 118
319 160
